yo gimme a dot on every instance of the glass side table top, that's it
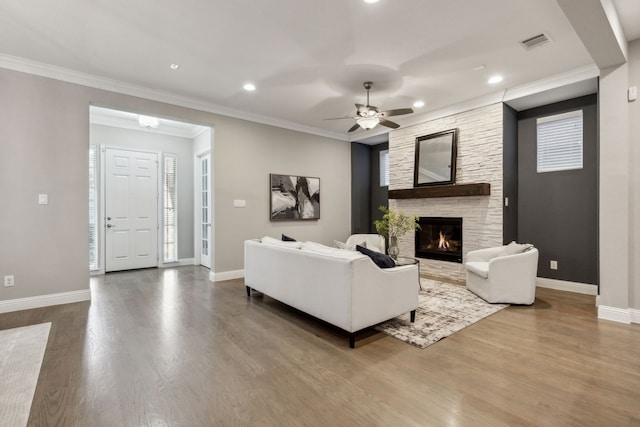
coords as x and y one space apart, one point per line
403 260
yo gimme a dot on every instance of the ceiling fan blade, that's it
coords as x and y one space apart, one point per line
398 112
339 118
354 127
389 124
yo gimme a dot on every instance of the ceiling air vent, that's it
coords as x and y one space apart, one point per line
535 41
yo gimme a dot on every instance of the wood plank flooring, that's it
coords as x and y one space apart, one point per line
167 347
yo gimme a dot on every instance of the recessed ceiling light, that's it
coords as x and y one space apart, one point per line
495 79
174 66
418 104
371 1
249 87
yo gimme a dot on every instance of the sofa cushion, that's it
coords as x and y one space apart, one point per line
381 260
266 240
286 238
479 268
319 248
514 248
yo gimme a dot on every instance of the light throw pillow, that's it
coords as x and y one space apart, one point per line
266 240
342 245
319 248
514 248
381 260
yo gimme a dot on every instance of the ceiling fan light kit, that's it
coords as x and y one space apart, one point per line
368 116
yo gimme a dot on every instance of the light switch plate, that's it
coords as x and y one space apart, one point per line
43 199
633 93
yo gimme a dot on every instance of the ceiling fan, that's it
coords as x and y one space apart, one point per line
368 116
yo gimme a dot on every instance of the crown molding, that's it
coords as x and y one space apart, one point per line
15 63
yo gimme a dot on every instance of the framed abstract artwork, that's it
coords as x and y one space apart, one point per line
294 197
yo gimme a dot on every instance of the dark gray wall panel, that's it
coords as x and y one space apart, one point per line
510 174
558 211
360 188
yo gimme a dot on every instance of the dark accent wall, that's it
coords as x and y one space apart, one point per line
379 195
360 188
366 193
558 211
510 174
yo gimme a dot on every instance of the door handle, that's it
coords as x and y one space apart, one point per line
110 225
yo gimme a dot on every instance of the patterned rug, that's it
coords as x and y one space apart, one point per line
443 310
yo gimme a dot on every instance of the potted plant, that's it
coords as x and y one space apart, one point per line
393 225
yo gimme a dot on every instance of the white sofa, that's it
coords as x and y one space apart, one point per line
503 274
342 287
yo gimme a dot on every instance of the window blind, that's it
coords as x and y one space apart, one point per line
384 168
559 142
93 208
170 217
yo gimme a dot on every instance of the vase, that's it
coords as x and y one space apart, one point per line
393 247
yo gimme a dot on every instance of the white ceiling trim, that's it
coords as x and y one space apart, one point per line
66 75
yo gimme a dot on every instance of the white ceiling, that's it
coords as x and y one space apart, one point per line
308 59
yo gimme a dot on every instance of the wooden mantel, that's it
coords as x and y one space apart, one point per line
460 190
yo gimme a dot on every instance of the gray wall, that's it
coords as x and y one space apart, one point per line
44 140
360 188
379 194
558 211
182 147
366 193
510 174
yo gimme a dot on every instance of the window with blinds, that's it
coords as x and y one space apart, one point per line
93 207
170 208
384 168
559 142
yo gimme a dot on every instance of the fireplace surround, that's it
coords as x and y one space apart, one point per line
439 238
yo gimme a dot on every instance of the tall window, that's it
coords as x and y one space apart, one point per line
93 207
560 142
384 168
170 226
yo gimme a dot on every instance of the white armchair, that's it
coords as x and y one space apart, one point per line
375 242
499 277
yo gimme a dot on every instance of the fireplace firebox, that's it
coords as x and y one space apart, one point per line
439 238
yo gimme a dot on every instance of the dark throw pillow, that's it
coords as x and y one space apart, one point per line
286 238
381 260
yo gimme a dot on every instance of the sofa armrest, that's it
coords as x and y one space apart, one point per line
523 266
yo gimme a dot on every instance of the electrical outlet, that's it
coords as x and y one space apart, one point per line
9 281
553 265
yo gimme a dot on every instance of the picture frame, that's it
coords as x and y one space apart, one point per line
294 198
435 158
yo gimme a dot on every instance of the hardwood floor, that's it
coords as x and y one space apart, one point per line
168 347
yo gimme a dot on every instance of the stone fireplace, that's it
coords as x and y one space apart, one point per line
439 238
479 160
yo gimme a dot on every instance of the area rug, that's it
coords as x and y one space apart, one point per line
443 310
21 354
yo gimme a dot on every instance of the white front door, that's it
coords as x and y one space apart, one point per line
205 210
131 210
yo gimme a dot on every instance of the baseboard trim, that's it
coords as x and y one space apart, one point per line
563 285
615 314
634 315
226 275
180 262
39 301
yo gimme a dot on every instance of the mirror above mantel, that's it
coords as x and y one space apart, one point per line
435 159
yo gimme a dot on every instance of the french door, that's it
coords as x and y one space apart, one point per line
131 209
205 210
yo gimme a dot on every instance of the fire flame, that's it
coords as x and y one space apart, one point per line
443 244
